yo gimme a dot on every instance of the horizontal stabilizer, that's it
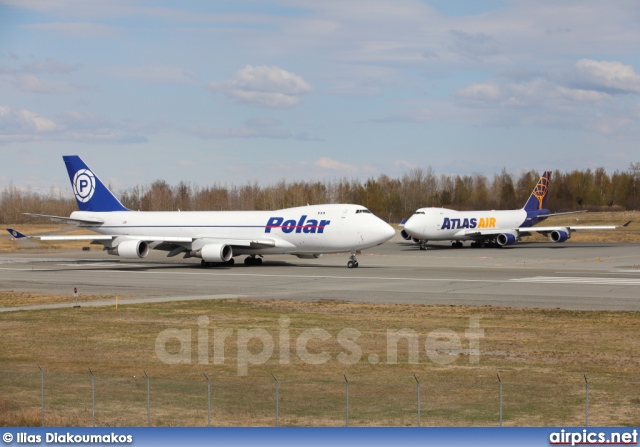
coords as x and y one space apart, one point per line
561 214
88 220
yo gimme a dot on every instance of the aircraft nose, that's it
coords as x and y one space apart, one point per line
411 226
387 231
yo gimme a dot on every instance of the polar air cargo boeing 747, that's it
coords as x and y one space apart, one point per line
215 236
490 228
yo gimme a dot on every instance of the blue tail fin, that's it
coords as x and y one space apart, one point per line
16 234
90 192
538 198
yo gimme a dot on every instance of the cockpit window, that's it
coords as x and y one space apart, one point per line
419 212
363 211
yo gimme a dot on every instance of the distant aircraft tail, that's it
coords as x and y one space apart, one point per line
538 198
91 194
16 234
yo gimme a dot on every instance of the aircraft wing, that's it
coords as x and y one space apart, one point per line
89 220
524 231
95 237
573 228
157 241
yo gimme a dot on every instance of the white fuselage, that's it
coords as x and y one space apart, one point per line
309 229
438 224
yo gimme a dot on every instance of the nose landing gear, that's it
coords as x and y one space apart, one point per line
353 262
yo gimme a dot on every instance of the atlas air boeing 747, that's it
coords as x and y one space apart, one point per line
215 236
491 228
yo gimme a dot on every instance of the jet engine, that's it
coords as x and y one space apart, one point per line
506 239
308 256
214 253
559 235
405 235
130 249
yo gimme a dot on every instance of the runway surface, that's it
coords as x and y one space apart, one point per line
581 276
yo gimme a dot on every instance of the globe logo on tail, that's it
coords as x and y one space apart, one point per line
14 233
84 185
541 189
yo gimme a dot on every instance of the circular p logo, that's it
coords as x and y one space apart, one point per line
84 185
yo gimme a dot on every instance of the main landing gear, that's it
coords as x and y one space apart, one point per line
422 245
456 244
206 264
353 262
253 260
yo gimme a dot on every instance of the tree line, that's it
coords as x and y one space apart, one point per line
391 199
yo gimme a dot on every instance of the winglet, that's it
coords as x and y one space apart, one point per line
625 224
16 234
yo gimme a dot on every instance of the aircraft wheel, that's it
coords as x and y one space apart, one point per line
231 261
258 261
351 264
249 260
356 265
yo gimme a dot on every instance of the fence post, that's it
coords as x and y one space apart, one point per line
208 400
586 408
148 400
500 382
347 401
41 392
93 397
418 392
277 400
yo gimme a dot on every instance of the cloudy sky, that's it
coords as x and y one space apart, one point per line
237 91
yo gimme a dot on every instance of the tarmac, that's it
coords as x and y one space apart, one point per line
577 276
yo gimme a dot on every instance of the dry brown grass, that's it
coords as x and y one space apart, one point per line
541 356
15 299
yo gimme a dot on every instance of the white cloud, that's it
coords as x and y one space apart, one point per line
610 76
30 83
26 125
485 92
404 164
24 122
264 86
334 165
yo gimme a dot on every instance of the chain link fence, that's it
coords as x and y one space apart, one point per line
39 397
